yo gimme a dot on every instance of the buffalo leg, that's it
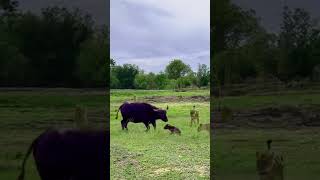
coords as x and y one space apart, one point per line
154 124
147 126
126 126
123 124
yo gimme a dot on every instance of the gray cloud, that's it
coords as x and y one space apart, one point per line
151 33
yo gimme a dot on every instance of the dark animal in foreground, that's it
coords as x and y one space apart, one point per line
194 114
141 112
269 165
202 127
172 129
70 155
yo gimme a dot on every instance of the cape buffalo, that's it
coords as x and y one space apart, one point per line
141 112
70 155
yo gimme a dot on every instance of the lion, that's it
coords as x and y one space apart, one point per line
269 165
194 115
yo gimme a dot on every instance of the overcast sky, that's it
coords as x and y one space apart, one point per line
270 11
150 33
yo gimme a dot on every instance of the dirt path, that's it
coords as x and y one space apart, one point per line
290 117
164 99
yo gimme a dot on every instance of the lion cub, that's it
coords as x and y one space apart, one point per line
269 165
172 129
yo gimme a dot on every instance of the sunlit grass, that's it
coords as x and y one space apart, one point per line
157 154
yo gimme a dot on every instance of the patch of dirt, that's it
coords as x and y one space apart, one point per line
164 99
201 170
271 117
161 171
124 158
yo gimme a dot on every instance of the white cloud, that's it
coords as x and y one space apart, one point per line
150 33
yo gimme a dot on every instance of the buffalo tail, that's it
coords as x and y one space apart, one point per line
118 111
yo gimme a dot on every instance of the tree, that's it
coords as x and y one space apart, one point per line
203 75
151 81
297 32
261 54
177 69
112 62
231 28
141 81
114 81
92 62
231 25
52 41
126 75
8 7
161 80
14 68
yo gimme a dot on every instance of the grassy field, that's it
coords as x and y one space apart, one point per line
24 114
156 154
235 152
235 149
137 154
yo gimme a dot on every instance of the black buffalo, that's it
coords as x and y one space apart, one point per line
70 155
141 112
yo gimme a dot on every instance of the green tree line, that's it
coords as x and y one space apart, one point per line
58 47
177 75
242 49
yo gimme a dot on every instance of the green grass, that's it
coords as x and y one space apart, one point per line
137 154
235 152
25 114
156 154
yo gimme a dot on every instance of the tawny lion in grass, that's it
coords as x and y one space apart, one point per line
269 165
194 115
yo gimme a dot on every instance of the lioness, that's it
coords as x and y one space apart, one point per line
194 115
269 165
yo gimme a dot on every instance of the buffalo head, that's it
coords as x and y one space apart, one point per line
161 114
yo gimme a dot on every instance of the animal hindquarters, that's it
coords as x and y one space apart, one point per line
72 155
